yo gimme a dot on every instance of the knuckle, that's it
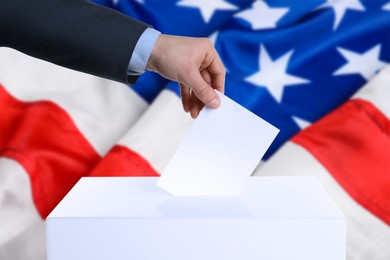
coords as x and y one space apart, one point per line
206 42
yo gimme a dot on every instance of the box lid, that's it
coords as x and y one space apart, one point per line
139 197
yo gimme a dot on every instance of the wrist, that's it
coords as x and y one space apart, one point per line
156 54
142 51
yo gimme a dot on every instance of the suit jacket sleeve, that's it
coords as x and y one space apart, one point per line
72 33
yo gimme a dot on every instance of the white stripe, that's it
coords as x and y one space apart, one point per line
367 236
159 131
22 232
102 109
30 245
377 91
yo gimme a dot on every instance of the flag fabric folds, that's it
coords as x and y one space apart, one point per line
290 62
349 151
301 65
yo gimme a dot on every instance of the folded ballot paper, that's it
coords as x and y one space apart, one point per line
203 207
219 152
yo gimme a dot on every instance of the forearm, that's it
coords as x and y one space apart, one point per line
72 33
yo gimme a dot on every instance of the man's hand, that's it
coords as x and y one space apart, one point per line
195 65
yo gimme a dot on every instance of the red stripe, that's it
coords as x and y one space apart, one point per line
43 138
353 144
45 141
121 161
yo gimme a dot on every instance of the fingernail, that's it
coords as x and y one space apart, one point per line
193 115
215 103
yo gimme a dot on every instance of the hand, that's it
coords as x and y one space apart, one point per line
195 65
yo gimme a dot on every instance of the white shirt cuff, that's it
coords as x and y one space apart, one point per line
143 49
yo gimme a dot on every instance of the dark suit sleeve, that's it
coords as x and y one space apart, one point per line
72 33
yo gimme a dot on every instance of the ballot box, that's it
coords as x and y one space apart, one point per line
272 218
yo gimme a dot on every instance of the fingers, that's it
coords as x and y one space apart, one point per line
217 74
203 87
196 106
185 97
195 64
203 90
191 102
213 64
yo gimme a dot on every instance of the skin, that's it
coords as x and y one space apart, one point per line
195 65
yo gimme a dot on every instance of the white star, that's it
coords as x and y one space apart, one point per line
340 8
260 16
302 124
115 2
366 64
273 75
140 1
386 6
207 7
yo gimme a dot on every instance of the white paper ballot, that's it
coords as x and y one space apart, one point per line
219 152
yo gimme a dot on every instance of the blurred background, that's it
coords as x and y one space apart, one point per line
317 70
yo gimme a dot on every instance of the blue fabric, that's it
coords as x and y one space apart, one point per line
307 30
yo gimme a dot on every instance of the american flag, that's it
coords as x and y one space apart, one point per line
288 61
307 67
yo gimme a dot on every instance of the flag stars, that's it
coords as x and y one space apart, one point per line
340 8
261 16
207 7
366 64
273 74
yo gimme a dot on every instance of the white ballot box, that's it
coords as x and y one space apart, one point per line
273 218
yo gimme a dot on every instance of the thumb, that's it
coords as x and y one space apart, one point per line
204 91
